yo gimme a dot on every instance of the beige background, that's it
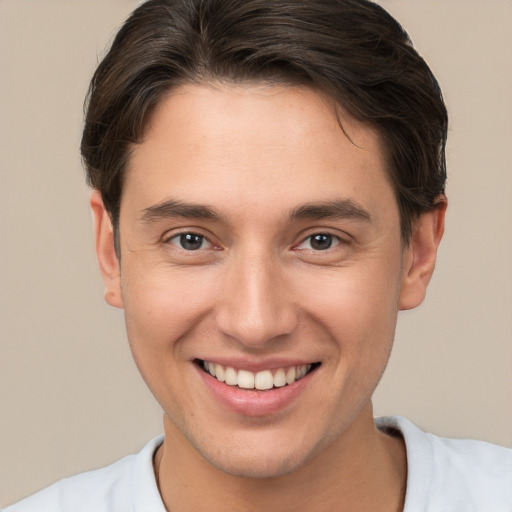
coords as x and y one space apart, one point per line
71 398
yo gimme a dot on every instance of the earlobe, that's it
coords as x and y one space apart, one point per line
420 255
105 251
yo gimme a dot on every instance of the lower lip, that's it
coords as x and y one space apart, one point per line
253 402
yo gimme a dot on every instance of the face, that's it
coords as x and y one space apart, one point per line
261 272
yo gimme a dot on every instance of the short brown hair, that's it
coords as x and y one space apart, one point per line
352 50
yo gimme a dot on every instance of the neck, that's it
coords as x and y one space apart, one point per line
362 470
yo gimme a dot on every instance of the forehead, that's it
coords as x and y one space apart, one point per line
242 145
269 115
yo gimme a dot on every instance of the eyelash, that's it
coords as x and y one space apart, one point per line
327 237
180 240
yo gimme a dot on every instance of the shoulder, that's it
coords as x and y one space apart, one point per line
117 487
453 474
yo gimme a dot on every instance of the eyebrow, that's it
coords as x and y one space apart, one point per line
338 209
172 208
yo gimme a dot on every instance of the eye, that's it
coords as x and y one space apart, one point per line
190 241
319 242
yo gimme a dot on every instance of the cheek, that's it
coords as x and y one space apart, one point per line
355 297
358 307
162 306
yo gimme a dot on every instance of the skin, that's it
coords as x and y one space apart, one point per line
257 291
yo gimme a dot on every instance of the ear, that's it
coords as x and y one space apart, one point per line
420 255
105 251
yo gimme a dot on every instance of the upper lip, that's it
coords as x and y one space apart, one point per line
257 365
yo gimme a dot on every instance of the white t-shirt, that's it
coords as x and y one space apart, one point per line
444 475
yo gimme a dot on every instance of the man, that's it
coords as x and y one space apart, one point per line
268 193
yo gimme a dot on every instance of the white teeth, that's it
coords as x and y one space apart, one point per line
290 375
262 381
245 379
219 372
230 376
279 378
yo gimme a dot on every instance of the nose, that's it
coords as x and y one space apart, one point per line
255 306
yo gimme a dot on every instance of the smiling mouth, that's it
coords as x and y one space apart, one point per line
262 381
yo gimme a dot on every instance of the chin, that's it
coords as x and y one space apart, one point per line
260 466
261 457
